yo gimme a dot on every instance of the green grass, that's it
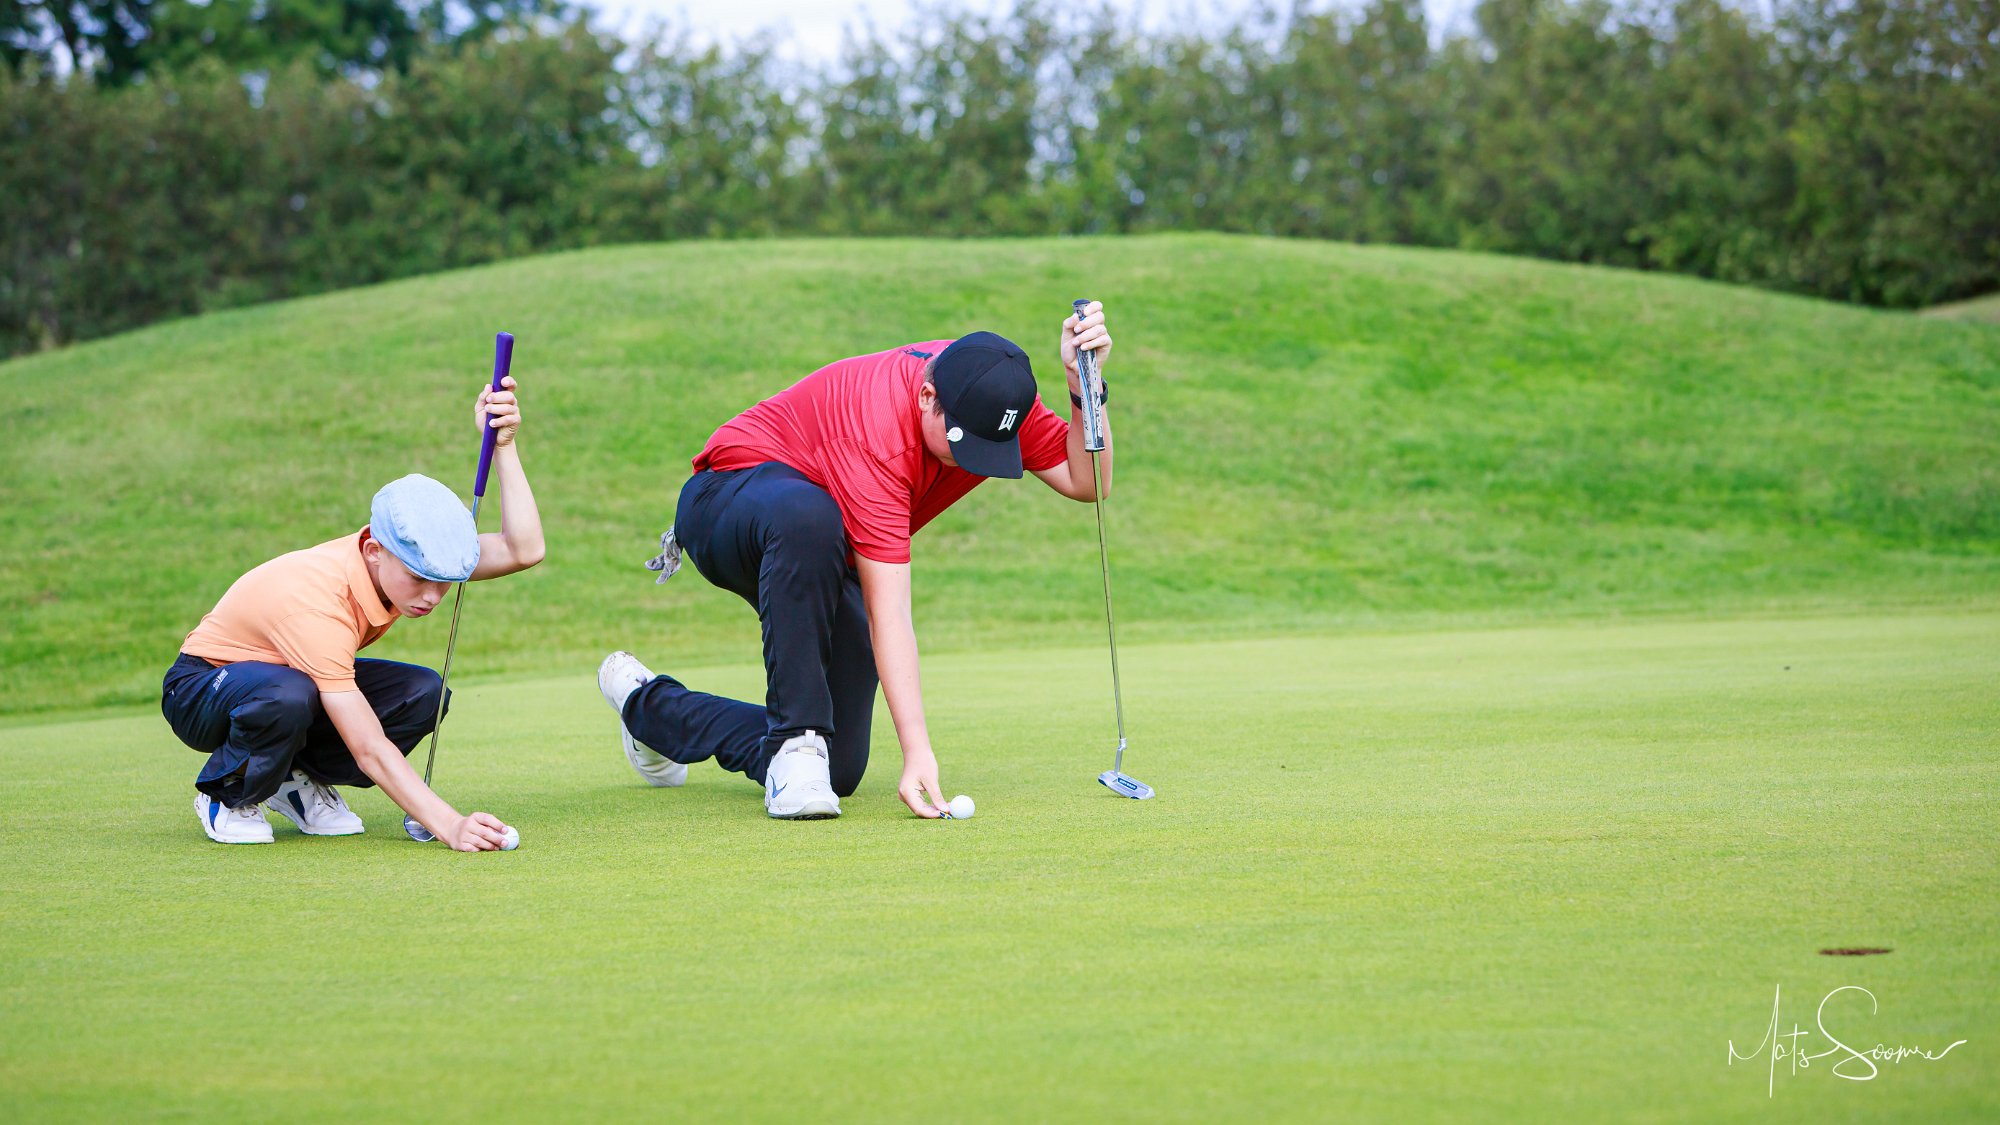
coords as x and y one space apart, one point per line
1312 437
1538 665
1528 874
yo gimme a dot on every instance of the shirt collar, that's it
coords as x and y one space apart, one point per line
362 587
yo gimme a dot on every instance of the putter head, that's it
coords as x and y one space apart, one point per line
423 835
1124 786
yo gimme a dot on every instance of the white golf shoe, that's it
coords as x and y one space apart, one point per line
796 785
225 825
315 808
618 677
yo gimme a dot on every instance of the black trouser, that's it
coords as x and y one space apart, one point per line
258 722
774 539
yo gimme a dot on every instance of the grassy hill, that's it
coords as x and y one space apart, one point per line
1312 436
1985 308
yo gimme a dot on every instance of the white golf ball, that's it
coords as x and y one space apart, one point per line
961 807
511 841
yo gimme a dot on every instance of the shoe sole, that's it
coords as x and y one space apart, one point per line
814 811
281 811
632 759
210 832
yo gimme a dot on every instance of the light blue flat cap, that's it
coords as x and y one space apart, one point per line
426 527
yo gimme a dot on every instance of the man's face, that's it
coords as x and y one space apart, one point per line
932 414
412 596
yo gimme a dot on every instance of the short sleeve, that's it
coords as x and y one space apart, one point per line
320 645
874 503
1044 439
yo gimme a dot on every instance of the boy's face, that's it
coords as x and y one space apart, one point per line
412 596
931 417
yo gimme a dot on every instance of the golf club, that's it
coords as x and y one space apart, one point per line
1115 778
503 358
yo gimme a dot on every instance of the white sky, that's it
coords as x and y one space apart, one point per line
815 28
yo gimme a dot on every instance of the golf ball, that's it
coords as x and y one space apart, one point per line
511 841
961 807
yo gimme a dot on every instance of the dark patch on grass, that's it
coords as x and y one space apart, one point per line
1855 951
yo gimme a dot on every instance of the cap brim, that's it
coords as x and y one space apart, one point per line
976 454
428 573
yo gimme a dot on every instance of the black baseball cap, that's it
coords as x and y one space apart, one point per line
986 388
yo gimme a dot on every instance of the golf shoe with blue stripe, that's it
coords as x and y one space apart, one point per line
315 808
797 785
225 825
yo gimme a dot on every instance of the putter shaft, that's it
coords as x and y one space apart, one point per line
1093 443
444 676
1110 628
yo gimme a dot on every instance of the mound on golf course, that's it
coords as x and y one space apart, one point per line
1311 436
1539 668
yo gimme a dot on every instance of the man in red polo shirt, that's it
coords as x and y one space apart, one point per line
804 506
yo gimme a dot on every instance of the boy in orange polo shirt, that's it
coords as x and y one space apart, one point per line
269 686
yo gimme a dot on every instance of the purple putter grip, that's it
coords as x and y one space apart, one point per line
503 358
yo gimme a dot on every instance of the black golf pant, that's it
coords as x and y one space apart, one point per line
258 722
774 539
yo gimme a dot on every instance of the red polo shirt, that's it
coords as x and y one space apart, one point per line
852 427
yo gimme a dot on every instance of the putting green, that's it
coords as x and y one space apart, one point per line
1505 874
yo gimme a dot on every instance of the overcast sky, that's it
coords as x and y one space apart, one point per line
815 28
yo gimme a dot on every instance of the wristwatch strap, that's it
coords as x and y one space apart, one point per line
1103 396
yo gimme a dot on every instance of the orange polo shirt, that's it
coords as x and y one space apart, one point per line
311 610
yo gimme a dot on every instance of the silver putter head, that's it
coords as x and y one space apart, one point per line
423 835
1124 786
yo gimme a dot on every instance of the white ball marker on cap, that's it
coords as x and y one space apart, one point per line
954 434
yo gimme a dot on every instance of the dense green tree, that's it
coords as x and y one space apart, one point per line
939 137
717 144
248 151
1725 169
1897 148
113 42
103 37
1181 123
1560 138
1357 119
255 34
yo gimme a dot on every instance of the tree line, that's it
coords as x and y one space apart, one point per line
164 157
